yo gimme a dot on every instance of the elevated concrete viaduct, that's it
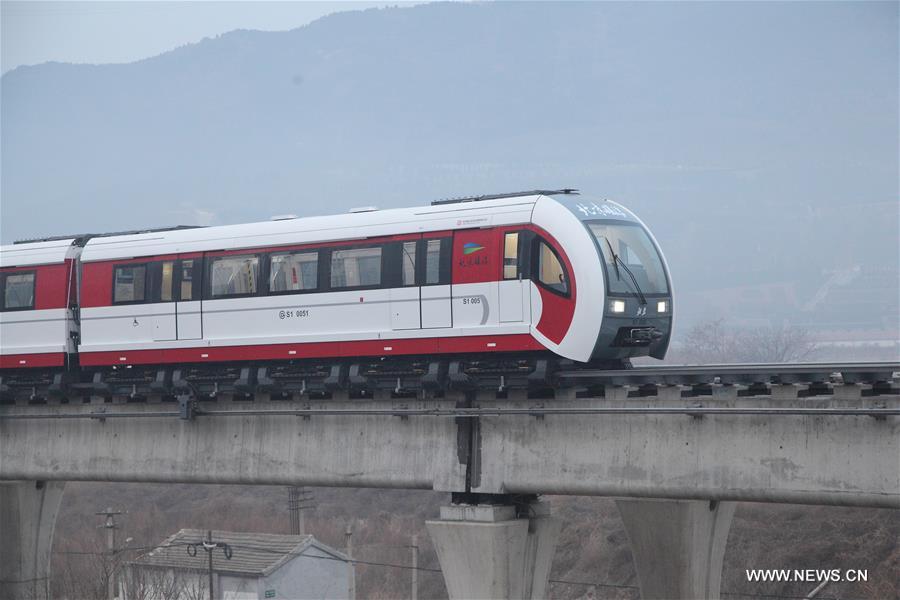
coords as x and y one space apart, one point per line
699 454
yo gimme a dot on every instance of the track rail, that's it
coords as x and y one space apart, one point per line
471 413
541 376
748 373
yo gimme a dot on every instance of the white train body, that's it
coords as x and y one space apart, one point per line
37 320
520 273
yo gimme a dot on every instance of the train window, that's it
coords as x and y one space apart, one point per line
166 286
511 255
628 252
186 287
356 267
295 272
433 262
409 263
160 282
18 291
550 270
129 284
234 276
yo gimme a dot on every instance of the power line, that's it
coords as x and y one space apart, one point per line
591 584
636 588
120 550
434 570
776 596
353 560
18 581
562 581
257 549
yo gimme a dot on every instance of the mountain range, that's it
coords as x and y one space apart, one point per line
758 140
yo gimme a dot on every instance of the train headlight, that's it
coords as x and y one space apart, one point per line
662 306
617 306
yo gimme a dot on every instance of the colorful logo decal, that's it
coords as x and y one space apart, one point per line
471 248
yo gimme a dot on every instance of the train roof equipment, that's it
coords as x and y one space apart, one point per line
505 195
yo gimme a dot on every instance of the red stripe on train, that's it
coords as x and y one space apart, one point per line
436 345
30 361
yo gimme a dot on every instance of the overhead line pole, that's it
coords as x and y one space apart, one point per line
351 591
209 548
299 499
110 526
414 593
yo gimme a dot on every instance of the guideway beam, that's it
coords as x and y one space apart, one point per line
28 512
495 551
677 546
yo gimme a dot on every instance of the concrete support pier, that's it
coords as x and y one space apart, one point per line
495 551
27 517
677 545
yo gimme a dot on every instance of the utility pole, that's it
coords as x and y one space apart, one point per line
414 594
110 526
351 592
299 499
208 545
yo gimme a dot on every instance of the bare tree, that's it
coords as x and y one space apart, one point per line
778 344
80 572
713 342
154 583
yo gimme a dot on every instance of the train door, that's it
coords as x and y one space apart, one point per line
405 295
162 289
188 282
433 261
514 298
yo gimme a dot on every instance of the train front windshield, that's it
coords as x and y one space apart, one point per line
627 247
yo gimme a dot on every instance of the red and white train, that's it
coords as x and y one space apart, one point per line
532 272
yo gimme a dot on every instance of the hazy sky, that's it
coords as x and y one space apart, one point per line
111 32
780 117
